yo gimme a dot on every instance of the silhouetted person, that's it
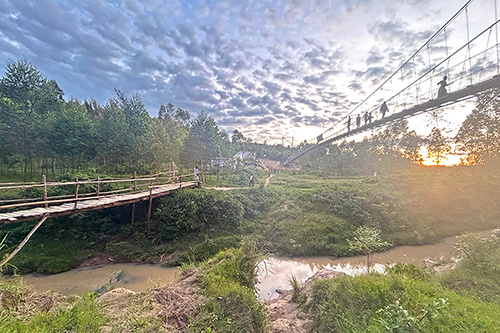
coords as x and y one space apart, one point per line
365 117
370 117
349 124
442 87
358 120
384 109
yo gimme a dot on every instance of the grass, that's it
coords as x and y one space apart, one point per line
228 280
397 303
478 271
411 299
25 311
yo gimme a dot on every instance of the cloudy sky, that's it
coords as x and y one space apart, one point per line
269 68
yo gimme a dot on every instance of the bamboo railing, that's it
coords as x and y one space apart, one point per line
137 184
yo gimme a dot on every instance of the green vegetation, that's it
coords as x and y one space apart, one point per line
229 281
411 299
477 272
25 311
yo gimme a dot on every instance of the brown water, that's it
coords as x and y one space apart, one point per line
141 277
280 269
102 278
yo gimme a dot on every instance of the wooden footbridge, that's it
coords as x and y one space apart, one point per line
87 195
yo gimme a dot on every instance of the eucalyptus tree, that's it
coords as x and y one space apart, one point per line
29 100
479 134
205 142
437 146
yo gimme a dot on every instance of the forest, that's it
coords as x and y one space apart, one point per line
42 133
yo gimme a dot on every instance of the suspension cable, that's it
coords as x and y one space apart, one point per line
496 30
464 7
468 44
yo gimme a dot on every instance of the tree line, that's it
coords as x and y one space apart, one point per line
42 132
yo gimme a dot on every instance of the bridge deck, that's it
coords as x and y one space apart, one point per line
93 204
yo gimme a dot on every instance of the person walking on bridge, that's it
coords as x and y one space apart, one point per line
384 109
370 117
349 124
358 120
365 117
442 87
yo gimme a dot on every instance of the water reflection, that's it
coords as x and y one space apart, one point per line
280 269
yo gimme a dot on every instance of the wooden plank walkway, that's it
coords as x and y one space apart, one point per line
93 204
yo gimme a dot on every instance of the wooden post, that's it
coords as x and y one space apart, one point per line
44 179
150 204
98 186
76 192
133 215
135 181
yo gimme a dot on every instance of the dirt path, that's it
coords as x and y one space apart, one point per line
284 314
263 164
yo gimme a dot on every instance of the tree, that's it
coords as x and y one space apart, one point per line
237 137
437 147
72 133
31 101
205 141
367 241
479 134
115 142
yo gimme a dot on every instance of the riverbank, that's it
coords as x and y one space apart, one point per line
299 214
101 278
218 295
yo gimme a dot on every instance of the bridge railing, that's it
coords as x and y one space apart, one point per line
471 71
16 195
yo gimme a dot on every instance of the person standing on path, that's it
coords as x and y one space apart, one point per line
250 184
196 172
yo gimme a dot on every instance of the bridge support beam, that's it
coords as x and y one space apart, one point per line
25 240
133 215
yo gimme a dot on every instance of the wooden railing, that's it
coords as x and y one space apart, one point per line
137 184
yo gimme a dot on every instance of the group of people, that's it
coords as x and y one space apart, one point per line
368 117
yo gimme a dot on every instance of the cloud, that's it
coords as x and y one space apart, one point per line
202 9
254 63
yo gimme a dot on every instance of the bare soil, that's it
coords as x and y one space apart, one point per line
285 316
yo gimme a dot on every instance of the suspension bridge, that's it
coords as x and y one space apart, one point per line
435 76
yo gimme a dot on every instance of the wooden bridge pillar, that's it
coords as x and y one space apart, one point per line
44 179
149 209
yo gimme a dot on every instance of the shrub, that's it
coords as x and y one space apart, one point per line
195 210
229 281
478 271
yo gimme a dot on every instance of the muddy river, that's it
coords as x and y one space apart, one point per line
141 277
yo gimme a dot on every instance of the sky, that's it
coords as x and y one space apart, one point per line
269 68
